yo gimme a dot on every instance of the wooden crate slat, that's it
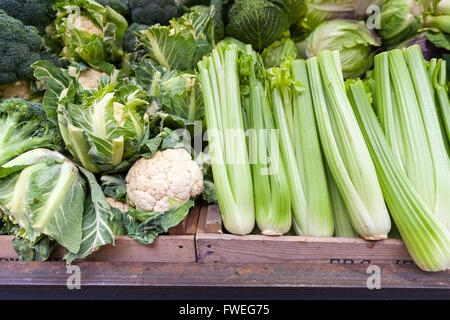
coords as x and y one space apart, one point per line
214 247
164 249
177 247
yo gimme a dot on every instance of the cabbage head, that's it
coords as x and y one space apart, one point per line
400 19
354 41
258 22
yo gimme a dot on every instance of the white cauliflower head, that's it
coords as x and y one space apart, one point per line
122 206
88 79
19 89
85 24
170 176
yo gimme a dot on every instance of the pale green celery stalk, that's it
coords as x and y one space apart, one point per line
427 239
440 84
386 105
299 206
342 225
345 149
224 119
309 157
435 137
270 182
417 160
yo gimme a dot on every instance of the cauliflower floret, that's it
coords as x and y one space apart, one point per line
118 113
85 24
169 178
88 79
122 206
19 89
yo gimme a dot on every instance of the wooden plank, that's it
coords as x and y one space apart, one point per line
178 246
194 275
7 252
165 249
225 248
179 249
201 226
180 229
213 222
192 221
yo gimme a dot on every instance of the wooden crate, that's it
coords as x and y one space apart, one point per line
213 246
178 246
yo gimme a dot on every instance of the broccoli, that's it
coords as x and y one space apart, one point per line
20 46
24 127
120 6
151 12
37 13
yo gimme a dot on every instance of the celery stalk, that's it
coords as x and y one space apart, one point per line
440 84
386 105
435 137
270 182
227 141
427 239
345 149
417 160
300 152
342 225
309 157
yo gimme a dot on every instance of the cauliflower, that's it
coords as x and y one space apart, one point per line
122 206
19 89
85 24
162 182
88 79
118 113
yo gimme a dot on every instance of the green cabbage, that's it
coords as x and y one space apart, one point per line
354 41
399 20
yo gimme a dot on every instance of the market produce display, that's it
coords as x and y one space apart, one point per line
319 118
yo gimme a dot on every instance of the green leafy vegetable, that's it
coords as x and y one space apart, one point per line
257 22
354 41
279 51
399 20
91 33
43 193
23 127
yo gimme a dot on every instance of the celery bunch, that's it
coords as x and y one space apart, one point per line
270 180
345 150
405 101
227 140
425 236
300 149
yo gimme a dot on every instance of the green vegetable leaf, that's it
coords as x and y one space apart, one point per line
439 39
157 223
96 219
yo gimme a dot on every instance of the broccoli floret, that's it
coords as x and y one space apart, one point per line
37 13
151 12
19 48
23 127
121 6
